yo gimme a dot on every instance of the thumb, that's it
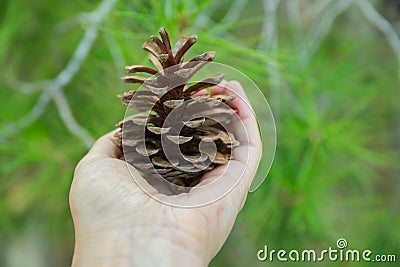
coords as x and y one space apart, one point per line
105 147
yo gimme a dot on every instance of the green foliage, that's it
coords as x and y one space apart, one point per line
335 172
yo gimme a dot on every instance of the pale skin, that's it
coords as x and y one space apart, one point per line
117 224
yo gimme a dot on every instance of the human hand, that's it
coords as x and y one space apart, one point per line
118 224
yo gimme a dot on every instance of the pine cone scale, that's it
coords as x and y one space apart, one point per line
179 134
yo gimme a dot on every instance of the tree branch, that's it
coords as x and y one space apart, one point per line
293 10
25 121
233 13
321 29
68 118
269 44
383 25
52 89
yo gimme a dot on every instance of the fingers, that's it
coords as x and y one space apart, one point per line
246 157
215 90
246 127
247 132
105 147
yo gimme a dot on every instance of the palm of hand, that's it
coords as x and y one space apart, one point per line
114 206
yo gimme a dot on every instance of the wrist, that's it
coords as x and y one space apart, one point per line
125 248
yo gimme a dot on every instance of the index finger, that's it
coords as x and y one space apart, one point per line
246 128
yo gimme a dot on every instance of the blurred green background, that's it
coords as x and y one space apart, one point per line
330 70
